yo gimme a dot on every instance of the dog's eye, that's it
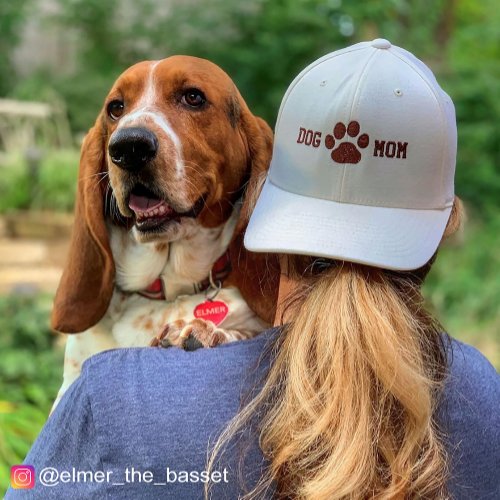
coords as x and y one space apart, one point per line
194 98
115 109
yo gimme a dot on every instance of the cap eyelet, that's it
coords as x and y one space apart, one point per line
398 92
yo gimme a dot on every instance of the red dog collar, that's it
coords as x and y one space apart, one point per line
220 271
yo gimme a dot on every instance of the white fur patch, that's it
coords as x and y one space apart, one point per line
147 109
192 258
155 116
137 264
182 263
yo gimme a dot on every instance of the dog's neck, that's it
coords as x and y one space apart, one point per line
180 263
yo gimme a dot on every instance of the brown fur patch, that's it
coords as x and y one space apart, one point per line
148 324
233 111
161 247
138 321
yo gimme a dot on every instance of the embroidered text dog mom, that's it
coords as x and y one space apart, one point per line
347 151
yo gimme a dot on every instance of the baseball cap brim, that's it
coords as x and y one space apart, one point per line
389 238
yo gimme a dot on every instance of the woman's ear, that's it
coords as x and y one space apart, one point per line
87 282
457 218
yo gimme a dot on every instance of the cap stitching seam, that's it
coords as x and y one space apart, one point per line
362 77
307 70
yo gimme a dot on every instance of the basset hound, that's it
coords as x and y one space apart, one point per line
156 256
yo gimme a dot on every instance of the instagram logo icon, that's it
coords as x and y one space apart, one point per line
22 477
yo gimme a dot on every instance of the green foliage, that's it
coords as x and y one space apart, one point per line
474 83
57 181
39 86
14 185
53 188
30 375
12 16
30 367
463 286
19 427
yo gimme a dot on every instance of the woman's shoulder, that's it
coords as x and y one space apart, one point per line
471 395
469 417
147 360
167 404
471 377
148 379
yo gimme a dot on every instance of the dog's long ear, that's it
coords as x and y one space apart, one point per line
255 274
259 139
87 282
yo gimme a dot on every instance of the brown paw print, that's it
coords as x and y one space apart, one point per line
190 335
346 152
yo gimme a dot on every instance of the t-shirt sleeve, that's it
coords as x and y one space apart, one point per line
470 418
66 444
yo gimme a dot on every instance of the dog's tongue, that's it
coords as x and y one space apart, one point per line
143 203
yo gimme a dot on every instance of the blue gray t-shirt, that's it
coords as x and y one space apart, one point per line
137 422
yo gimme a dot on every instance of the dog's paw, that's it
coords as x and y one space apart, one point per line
190 335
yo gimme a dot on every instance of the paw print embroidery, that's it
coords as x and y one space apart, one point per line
346 152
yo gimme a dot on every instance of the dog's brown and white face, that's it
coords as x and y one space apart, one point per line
179 144
176 147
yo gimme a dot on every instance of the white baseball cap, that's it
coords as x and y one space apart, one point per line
363 161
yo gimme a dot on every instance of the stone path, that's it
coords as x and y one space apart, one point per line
31 265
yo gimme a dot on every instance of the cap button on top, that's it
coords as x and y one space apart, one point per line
381 43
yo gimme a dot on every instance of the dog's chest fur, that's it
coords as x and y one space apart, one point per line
133 320
180 264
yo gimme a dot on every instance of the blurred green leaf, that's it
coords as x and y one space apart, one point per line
54 188
30 375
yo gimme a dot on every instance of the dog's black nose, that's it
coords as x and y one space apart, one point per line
133 147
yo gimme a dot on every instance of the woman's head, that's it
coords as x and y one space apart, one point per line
358 197
363 162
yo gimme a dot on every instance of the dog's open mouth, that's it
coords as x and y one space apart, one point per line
151 212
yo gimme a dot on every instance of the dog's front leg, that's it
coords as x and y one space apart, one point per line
79 347
208 323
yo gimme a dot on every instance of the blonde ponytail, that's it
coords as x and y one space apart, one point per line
347 408
359 369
